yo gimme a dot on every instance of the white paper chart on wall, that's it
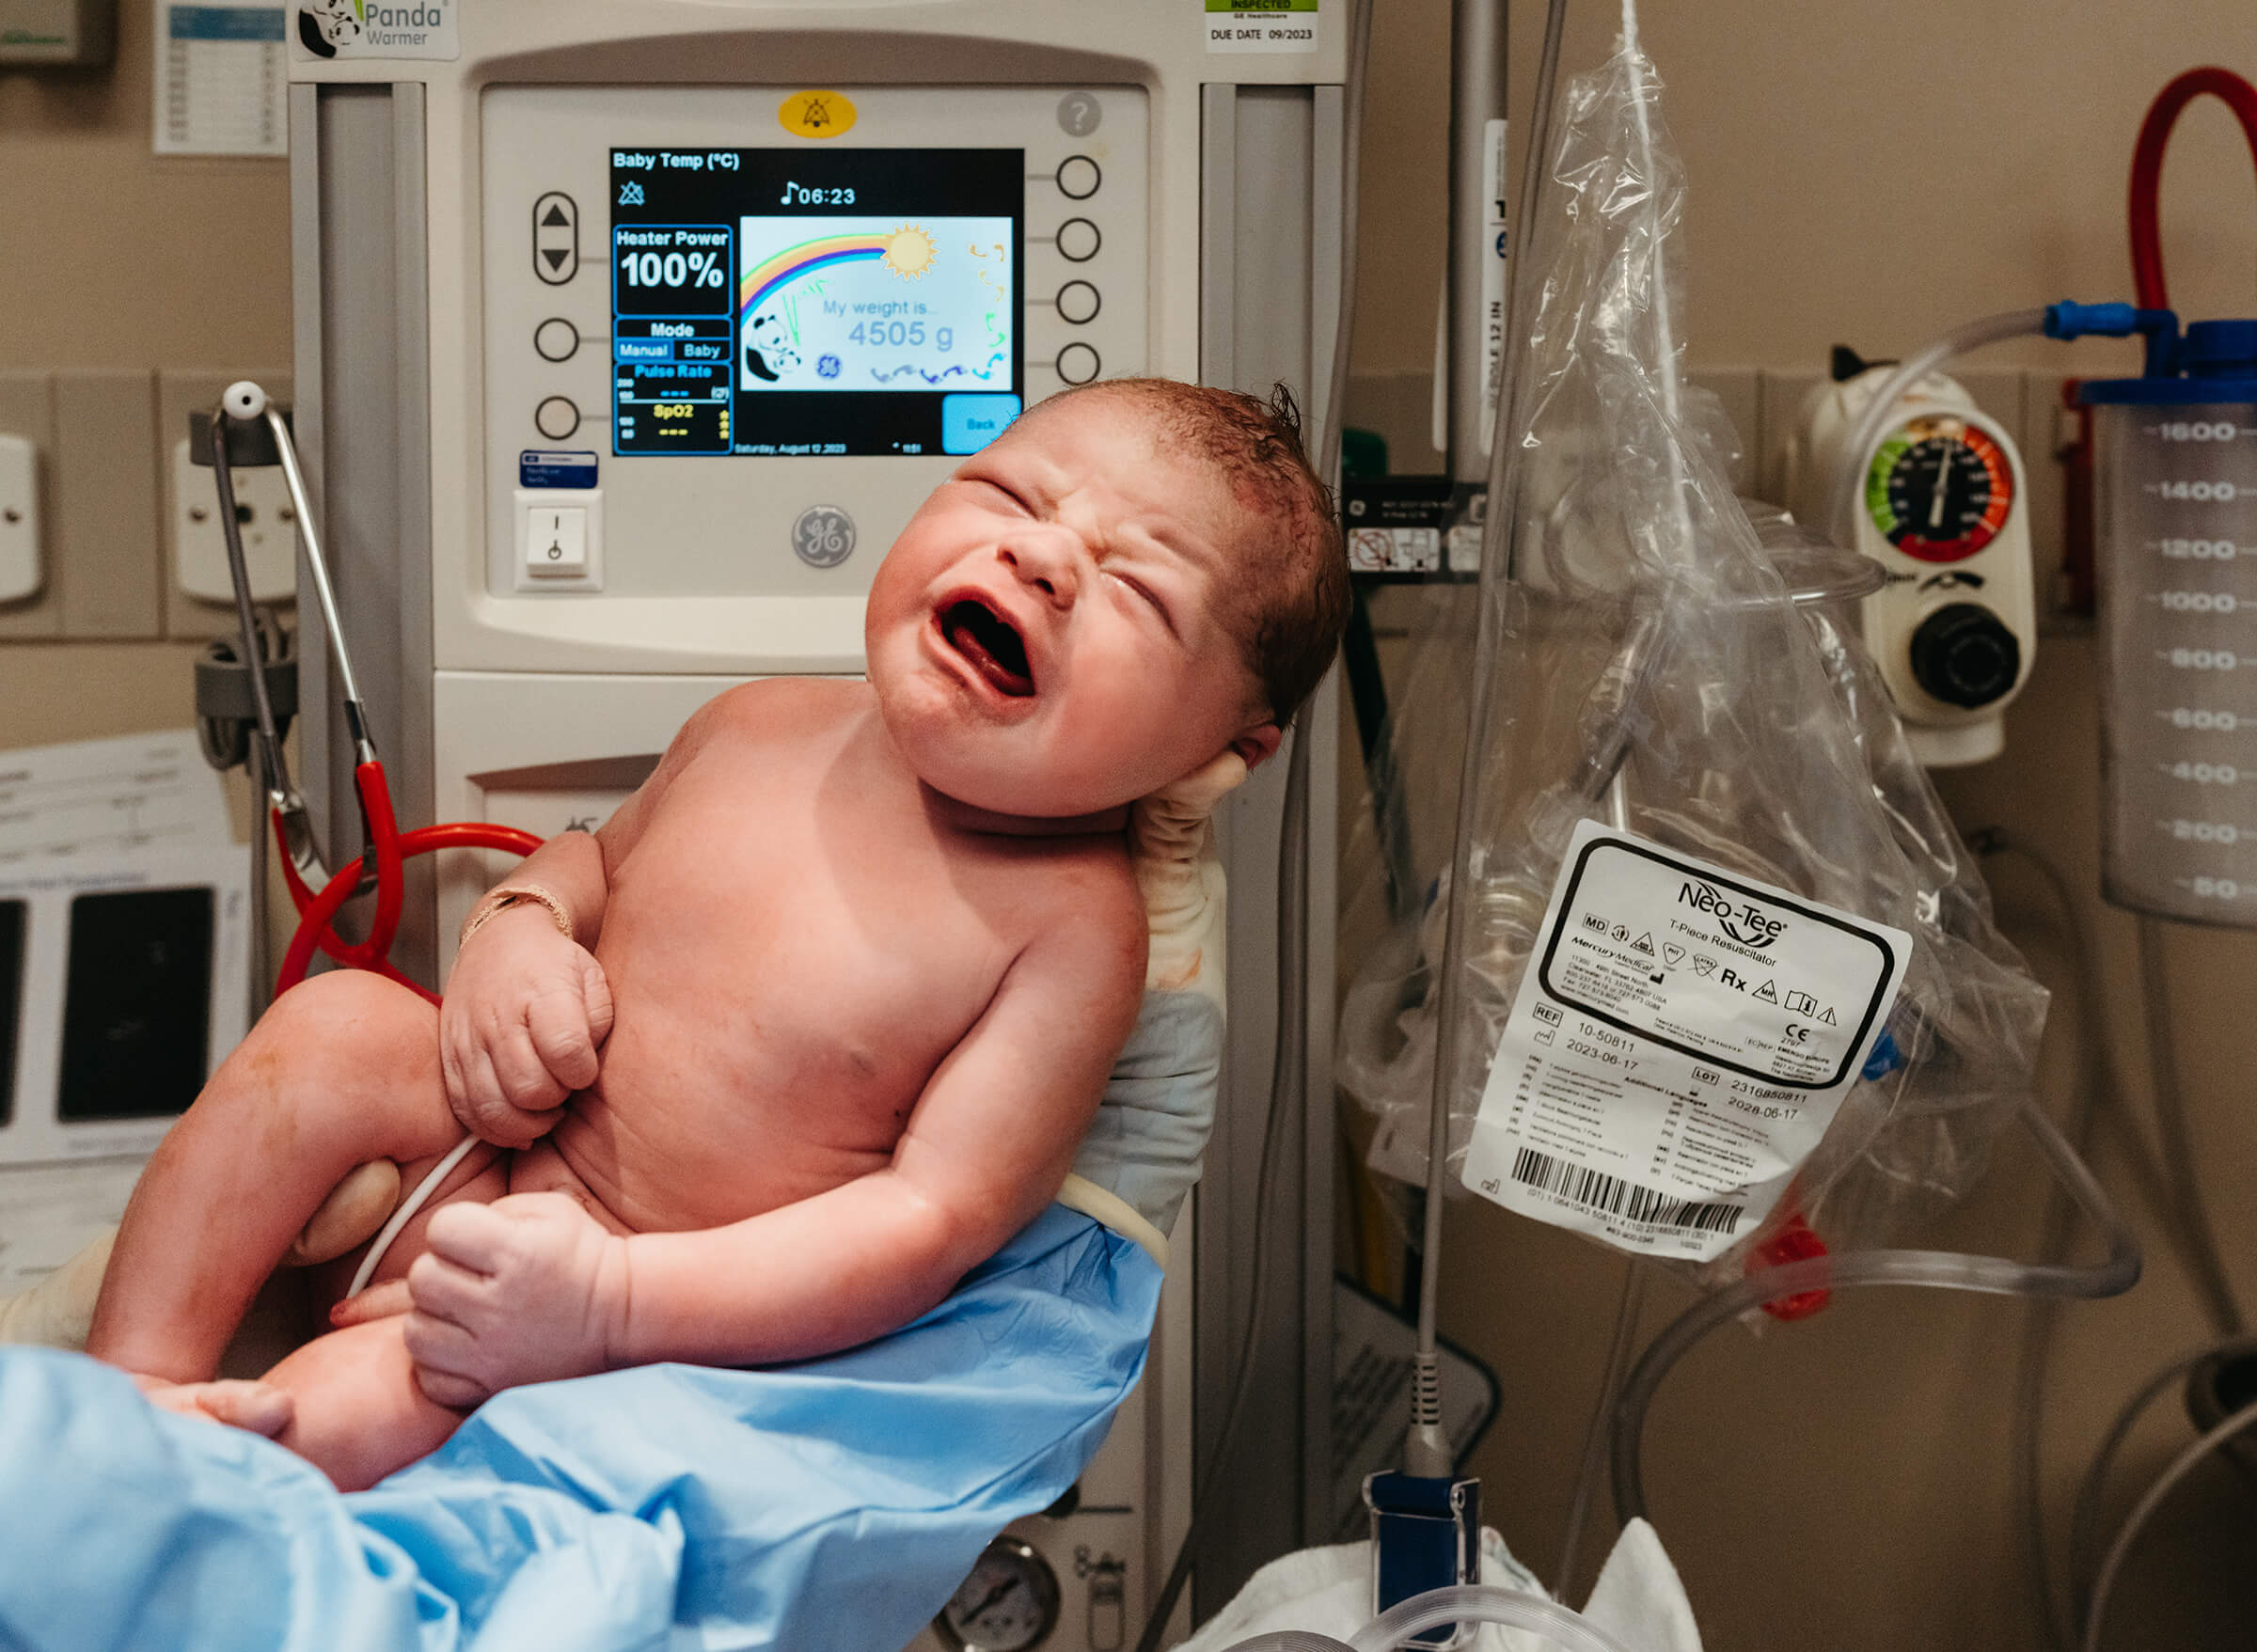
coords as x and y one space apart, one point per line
222 79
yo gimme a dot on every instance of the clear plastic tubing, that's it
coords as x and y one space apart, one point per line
1933 1269
1484 1603
1459 1603
1841 516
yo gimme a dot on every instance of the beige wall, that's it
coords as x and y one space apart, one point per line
1866 173
116 260
1873 176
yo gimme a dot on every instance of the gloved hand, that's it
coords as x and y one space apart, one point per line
56 1311
355 1208
1171 846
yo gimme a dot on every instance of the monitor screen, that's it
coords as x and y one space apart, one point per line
792 303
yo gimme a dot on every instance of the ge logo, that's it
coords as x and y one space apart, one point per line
1078 113
823 536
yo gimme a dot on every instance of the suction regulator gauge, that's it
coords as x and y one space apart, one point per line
1008 1604
1939 489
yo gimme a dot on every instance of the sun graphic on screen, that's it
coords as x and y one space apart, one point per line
908 252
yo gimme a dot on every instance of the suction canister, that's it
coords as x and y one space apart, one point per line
2175 532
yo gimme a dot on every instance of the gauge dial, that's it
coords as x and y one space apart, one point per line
1008 1604
1939 489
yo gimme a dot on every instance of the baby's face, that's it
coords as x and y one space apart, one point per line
1042 637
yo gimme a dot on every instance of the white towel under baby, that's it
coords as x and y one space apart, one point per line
1638 1599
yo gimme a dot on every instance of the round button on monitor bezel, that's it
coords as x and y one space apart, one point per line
1096 304
1096 241
1096 177
541 414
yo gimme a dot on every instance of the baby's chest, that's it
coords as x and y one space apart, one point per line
861 941
860 954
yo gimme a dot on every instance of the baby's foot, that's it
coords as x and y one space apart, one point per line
258 1406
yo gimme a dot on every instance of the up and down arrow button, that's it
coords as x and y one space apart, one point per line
556 238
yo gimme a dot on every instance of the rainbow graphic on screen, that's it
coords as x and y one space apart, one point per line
839 304
906 251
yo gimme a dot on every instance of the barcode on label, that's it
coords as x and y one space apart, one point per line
1596 1190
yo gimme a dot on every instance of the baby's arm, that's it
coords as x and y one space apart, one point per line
986 1149
527 1004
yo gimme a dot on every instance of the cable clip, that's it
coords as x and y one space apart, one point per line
1425 1534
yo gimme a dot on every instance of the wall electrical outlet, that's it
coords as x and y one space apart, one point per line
199 547
19 574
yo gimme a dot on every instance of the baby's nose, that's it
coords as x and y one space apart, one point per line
1045 560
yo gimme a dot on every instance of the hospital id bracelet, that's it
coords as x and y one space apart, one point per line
498 901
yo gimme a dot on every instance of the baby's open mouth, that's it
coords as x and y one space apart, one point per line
989 642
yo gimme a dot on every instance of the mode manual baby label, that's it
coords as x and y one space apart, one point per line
1679 1043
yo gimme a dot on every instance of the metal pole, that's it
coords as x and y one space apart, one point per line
1427 1452
1474 273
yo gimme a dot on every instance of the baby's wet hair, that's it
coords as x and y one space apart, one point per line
1286 600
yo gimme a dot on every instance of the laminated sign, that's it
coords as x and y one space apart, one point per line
1680 1040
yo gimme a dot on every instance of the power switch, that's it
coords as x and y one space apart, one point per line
556 542
559 527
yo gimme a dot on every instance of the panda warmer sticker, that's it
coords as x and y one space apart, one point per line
372 29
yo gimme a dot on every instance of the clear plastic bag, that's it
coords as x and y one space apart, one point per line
1644 662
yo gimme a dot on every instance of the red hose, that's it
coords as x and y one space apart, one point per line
384 844
383 827
313 926
2147 166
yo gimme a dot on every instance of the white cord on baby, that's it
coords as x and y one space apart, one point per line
400 1217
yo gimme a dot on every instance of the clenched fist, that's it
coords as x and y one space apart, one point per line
526 1012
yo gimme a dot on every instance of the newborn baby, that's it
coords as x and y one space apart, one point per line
816 1021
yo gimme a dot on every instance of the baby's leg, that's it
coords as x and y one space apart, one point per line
359 1414
342 1069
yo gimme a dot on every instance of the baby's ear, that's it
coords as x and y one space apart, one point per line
1257 745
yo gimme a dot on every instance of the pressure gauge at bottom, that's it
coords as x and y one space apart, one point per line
1008 1604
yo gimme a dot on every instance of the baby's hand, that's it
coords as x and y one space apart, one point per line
526 1010
529 1288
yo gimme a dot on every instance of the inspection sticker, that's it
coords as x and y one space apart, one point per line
1261 25
1679 1043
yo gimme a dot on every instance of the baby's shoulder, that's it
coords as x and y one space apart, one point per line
793 708
1085 891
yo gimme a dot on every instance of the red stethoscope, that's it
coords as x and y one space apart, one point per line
244 404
